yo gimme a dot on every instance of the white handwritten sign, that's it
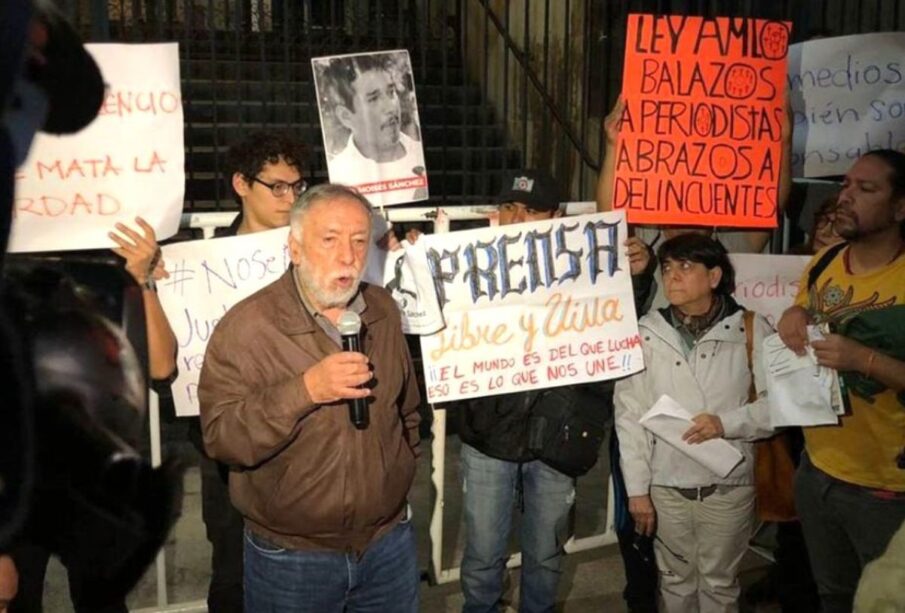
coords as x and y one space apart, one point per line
848 98
129 161
208 277
767 284
530 306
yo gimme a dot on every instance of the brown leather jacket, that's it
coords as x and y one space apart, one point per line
302 475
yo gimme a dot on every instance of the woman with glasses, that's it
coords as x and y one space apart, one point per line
696 351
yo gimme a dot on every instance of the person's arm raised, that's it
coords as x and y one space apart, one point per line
607 177
758 239
143 262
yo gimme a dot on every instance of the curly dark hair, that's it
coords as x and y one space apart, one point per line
694 247
248 156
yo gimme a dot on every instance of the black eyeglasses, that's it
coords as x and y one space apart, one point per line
281 188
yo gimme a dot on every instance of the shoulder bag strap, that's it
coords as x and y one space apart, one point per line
749 345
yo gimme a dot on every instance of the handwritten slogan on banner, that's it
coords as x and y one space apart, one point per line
129 161
701 129
767 284
848 98
529 306
208 277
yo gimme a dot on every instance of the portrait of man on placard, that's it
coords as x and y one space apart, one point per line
369 119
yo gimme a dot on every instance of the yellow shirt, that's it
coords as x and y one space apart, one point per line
862 449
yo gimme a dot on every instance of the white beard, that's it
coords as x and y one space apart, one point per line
325 298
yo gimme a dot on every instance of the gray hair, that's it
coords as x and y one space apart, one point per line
311 196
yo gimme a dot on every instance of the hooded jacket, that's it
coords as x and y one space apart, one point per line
713 378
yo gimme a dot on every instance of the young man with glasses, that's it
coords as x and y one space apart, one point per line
266 176
265 171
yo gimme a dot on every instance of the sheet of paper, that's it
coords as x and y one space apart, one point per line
128 162
406 274
780 360
407 277
837 398
668 420
799 391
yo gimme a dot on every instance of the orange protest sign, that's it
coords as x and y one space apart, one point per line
700 139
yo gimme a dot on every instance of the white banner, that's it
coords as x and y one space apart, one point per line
128 162
208 277
767 284
530 306
848 98
404 273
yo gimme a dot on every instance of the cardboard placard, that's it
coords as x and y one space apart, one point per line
130 161
848 98
767 284
700 141
531 306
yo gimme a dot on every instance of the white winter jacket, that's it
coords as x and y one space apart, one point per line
714 378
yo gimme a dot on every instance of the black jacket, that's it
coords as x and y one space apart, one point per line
512 426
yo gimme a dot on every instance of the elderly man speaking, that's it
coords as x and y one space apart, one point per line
324 499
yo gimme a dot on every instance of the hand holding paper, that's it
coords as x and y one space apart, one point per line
840 353
140 250
800 392
793 328
669 421
705 427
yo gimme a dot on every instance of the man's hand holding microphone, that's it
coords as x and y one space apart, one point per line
344 375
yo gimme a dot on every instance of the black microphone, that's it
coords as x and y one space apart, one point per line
349 326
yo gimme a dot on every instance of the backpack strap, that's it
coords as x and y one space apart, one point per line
820 265
748 318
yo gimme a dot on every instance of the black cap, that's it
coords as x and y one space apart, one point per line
534 188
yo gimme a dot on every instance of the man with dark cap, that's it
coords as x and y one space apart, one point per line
502 465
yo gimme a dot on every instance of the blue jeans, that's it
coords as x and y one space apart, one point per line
489 487
845 527
384 580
